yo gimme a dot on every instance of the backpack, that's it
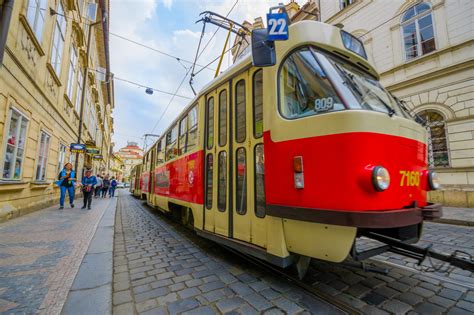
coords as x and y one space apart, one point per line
114 183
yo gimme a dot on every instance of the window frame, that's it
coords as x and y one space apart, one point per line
79 91
7 126
415 19
182 147
42 160
208 125
61 156
430 154
255 181
72 73
58 39
193 128
39 13
209 191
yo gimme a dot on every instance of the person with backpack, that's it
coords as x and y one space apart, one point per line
88 183
113 186
105 186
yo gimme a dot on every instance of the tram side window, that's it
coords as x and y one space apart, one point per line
258 104
222 182
171 143
260 203
223 118
161 151
240 119
209 172
182 135
210 123
241 182
192 129
305 89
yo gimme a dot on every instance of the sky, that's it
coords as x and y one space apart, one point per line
169 26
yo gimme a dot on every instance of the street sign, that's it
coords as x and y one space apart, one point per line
277 25
92 150
77 148
97 157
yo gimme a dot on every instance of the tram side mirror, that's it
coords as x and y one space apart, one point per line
263 50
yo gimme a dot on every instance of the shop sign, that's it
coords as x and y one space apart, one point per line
77 148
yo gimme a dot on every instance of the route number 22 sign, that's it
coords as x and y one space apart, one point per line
277 26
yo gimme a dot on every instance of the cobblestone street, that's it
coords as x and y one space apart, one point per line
161 268
40 254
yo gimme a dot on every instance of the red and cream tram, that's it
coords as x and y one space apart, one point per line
298 159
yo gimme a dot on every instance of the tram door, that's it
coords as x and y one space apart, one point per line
217 162
247 168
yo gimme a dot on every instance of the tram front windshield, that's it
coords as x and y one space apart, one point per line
312 83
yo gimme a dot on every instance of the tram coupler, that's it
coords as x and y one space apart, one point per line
419 253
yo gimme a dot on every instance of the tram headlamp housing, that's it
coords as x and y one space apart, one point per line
380 178
434 181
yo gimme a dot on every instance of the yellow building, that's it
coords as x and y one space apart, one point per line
41 86
131 155
424 52
117 167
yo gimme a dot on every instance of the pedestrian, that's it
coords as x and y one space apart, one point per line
88 183
98 187
105 186
113 185
66 182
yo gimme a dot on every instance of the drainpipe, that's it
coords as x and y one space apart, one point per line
5 17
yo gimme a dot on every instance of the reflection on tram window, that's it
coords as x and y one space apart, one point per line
241 182
209 169
222 182
259 181
305 88
258 104
223 118
210 123
240 106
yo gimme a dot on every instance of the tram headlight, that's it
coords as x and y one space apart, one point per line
380 178
434 181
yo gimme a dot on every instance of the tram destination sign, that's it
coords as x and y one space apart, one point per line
277 26
77 148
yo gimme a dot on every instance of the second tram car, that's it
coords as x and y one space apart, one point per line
294 160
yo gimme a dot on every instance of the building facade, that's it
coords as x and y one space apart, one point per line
424 52
42 75
117 167
130 155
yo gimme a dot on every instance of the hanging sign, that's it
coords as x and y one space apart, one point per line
77 148
97 157
277 25
92 150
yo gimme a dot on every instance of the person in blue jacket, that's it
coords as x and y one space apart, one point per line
88 183
67 182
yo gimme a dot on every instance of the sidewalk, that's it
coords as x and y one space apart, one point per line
457 216
40 255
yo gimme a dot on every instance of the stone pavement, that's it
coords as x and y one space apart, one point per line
40 254
458 216
161 269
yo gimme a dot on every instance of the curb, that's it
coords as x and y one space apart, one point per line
453 222
91 291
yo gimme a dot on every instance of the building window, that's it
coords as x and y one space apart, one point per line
417 31
42 162
61 156
15 145
345 3
77 105
72 72
58 40
35 14
437 140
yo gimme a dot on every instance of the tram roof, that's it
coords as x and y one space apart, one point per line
320 34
